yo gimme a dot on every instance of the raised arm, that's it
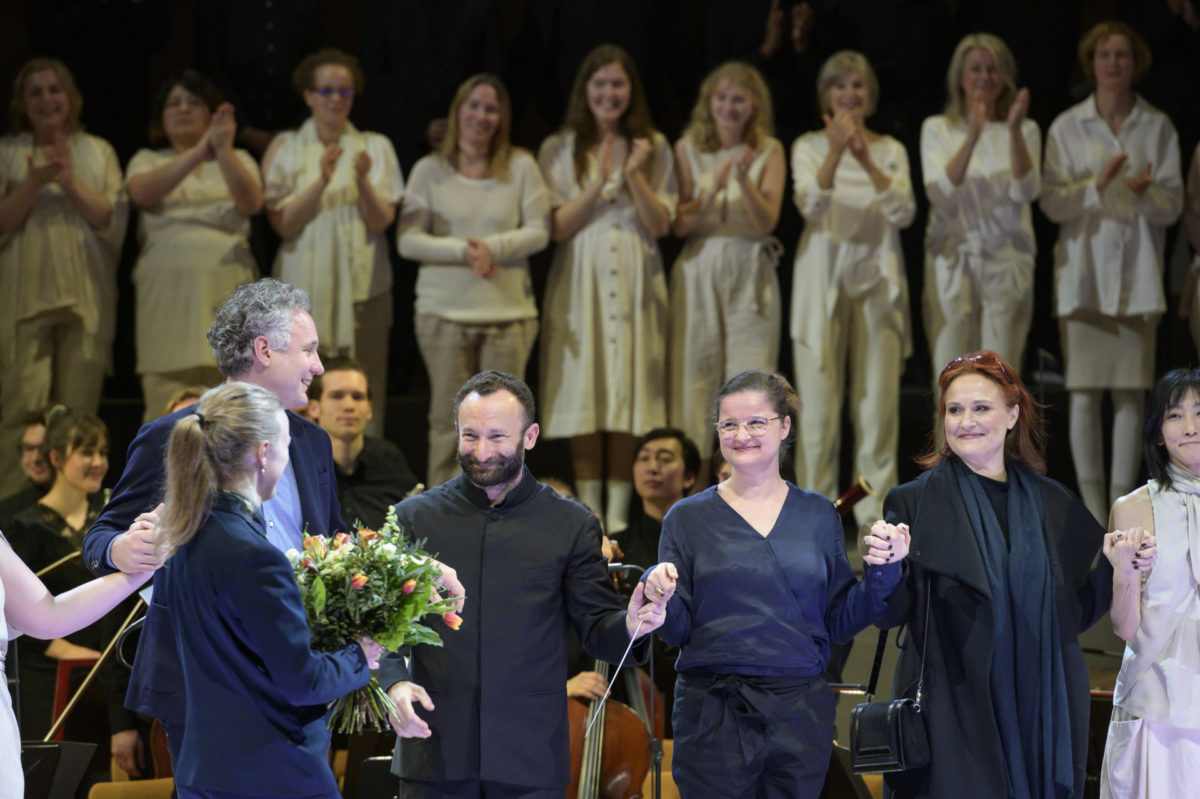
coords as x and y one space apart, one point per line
30 607
1131 523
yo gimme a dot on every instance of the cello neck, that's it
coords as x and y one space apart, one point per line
593 743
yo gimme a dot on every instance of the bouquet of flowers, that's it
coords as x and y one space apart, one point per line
374 583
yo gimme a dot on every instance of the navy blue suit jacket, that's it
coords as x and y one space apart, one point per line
156 685
256 690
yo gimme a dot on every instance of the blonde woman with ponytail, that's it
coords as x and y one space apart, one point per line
255 690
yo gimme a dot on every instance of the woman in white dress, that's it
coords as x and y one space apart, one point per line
196 194
612 194
474 211
62 221
331 192
1153 748
980 160
1112 181
725 305
29 608
850 320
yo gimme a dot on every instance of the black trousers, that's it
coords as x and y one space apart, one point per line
746 737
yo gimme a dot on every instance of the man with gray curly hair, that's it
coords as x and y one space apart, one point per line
263 334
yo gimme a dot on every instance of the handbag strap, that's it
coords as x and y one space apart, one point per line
924 644
879 647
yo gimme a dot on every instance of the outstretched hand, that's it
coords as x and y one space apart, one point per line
405 721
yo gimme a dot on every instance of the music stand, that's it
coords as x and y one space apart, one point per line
54 770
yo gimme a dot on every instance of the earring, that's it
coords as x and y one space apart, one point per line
263 469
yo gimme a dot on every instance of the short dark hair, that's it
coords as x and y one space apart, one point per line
1170 389
491 381
691 453
337 363
195 82
262 308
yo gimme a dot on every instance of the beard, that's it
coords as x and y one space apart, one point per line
502 470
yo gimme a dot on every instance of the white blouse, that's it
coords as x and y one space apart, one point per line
1110 245
983 226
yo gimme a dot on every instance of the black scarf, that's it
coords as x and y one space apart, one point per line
1028 682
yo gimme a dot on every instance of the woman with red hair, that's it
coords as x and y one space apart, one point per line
998 589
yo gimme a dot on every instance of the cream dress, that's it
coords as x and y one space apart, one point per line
195 251
725 304
1153 749
604 321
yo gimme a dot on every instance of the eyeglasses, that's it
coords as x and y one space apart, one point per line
755 427
978 358
329 91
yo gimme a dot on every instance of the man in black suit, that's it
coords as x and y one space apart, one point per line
493 705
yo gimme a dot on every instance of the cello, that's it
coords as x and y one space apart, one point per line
612 761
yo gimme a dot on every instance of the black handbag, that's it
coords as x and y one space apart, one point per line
890 736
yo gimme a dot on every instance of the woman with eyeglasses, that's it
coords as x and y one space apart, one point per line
998 588
1112 182
474 212
762 586
850 325
331 192
62 222
980 159
196 194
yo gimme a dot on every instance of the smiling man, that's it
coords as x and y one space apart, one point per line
372 473
263 335
486 713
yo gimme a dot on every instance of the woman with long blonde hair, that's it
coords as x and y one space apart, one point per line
725 305
981 162
255 690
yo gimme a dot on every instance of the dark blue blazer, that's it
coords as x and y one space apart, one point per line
156 685
256 690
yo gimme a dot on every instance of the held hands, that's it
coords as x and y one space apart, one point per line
886 543
405 720
1131 552
133 551
329 160
649 601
